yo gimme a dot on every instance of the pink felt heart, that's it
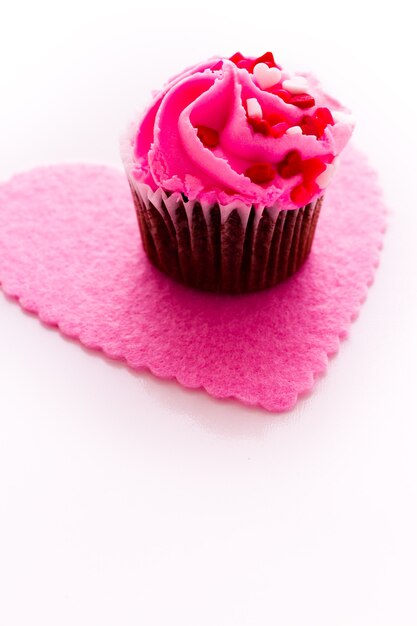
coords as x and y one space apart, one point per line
70 252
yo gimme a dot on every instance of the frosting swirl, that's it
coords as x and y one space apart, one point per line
241 129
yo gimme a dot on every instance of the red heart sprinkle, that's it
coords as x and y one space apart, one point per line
300 195
242 62
283 94
279 129
267 58
259 126
302 100
275 118
291 165
245 64
312 187
312 168
261 173
208 136
316 124
310 126
236 57
324 115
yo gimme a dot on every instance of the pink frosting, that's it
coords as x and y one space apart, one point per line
168 148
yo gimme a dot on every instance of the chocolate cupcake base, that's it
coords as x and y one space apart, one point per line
243 252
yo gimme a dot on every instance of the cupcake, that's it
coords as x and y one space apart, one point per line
228 169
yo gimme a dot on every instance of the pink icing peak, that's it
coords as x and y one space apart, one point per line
223 130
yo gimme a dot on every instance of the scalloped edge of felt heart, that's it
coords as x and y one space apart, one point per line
303 391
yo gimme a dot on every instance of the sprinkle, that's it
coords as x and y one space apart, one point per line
274 118
308 126
302 101
284 95
312 126
253 108
259 125
261 173
208 136
312 168
241 62
316 124
324 115
236 57
301 195
266 77
291 165
273 125
294 130
296 84
278 130
246 64
267 58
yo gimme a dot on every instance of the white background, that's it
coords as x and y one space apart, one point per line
127 500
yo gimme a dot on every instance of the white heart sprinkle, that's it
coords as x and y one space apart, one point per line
266 76
296 84
325 177
294 130
254 108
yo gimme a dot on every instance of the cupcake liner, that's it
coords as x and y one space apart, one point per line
226 249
